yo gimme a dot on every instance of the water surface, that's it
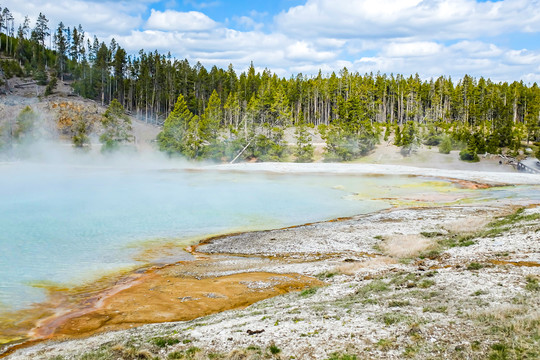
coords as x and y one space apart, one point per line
70 224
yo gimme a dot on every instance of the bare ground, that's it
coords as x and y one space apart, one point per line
468 291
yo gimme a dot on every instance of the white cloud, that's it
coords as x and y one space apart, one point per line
179 21
412 49
97 17
302 51
445 19
522 57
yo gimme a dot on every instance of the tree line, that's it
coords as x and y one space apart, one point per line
218 112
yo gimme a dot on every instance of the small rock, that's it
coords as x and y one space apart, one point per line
254 332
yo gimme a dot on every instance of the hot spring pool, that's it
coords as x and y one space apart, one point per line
70 224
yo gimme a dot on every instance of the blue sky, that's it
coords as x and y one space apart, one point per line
495 39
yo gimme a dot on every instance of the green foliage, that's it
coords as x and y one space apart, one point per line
345 145
304 149
11 68
514 218
40 75
474 266
25 125
211 120
532 284
51 86
468 155
487 116
269 147
397 138
164 341
409 138
274 350
446 145
338 356
387 132
117 127
80 129
173 139
309 292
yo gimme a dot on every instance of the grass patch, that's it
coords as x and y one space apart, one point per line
515 332
499 351
176 355
97 355
399 303
385 344
326 275
514 218
427 283
479 292
309 292
192 351
376 286
338 356
431 234
474 266
532 283
274 350
392 318
436 309
164 341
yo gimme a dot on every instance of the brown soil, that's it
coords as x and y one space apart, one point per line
161 296
515 263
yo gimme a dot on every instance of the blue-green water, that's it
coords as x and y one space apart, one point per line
70 224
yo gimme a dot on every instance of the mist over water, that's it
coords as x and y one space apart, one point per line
68 217
71 218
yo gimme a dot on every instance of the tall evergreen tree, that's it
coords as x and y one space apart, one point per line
173 138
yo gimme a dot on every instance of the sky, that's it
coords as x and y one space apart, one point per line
495 39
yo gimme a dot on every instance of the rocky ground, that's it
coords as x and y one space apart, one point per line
449 282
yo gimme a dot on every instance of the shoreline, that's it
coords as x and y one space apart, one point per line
201 249
491 177
111 283
325 247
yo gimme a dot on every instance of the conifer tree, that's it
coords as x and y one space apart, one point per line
304 149
173 138
117 127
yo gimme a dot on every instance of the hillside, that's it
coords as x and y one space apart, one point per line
59 106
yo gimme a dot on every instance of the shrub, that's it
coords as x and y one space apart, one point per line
468 155
445 146
274 349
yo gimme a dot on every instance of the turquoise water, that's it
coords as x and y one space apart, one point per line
70 224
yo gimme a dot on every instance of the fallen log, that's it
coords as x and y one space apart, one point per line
25 84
